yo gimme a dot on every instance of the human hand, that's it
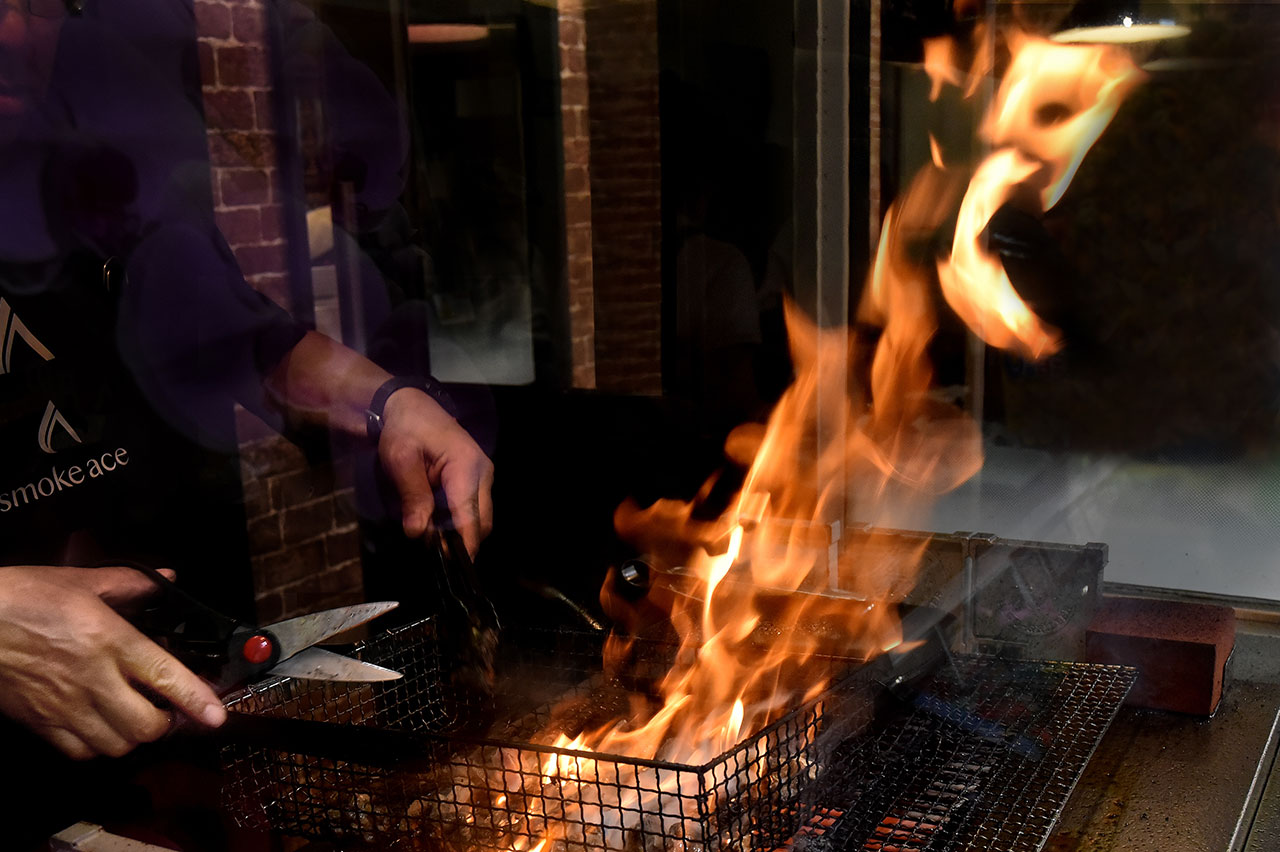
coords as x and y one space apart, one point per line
74 671
422 447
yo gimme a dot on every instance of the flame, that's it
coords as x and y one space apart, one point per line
1052 105
858 439
1055 101
973 279
940 65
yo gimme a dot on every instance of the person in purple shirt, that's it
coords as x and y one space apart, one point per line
126 333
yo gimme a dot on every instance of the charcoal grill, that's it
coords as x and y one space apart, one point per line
420 780
982 755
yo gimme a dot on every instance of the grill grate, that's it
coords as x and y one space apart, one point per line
444 788
983 757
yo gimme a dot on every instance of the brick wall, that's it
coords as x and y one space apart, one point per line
625 192
574 122
875 36
304 543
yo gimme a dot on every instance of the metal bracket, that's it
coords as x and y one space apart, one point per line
87 837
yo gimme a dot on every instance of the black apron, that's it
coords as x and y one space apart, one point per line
90 473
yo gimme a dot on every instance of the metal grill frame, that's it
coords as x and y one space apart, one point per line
426 789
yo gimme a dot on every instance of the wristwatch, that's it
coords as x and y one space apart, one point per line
426 384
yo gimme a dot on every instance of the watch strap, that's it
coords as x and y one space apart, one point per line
426 384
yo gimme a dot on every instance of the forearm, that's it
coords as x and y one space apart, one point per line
420 445
320 381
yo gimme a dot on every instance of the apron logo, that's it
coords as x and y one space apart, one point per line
53 417
11 328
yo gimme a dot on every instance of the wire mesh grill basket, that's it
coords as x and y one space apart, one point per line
399 765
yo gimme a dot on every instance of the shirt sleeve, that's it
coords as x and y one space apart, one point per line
195 335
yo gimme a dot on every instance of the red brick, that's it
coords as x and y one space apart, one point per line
573 121
257 498
573 61
342 547
241 66
222 151
577 208
575 180
577 150
261 259
264 535
344 508
213 20
579 242
303 486
272 223
580 268
208 71
269 457
299 599
248 23
307 522
241 225
573 89
269 607
264 110
241 187
570 32
1180 650
236 148
340 580
228 109
335 587
290 565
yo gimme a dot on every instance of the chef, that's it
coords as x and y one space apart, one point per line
126 334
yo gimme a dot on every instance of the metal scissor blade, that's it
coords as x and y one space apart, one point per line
296 634
319 664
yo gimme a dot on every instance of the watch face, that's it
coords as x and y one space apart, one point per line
372 424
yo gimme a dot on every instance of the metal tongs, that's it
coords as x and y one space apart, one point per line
230 653
469 624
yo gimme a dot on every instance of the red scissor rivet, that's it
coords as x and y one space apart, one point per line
257 649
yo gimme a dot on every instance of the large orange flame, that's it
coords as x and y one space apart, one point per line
748 594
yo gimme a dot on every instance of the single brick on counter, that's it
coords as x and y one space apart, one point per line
1180 650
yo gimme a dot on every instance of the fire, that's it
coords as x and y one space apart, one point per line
1052 105
748 595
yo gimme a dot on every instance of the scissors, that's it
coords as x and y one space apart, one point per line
230 653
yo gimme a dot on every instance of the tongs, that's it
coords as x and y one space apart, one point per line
230 653
469 625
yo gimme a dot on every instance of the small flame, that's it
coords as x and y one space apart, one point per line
734 728
973 279
940 65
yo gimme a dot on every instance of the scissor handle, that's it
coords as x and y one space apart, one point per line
203 638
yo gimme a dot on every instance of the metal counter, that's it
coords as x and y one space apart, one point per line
1166 782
